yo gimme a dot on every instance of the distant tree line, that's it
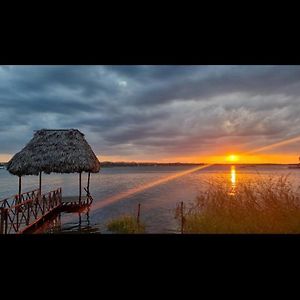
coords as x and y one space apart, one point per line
137 164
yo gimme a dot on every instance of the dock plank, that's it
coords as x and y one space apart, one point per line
67 199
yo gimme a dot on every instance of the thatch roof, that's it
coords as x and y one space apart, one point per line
58 151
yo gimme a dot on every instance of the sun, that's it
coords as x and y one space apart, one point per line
232 158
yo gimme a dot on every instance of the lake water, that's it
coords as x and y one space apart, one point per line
122 188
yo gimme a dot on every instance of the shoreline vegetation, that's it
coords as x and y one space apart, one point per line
125 224
266 206
256 207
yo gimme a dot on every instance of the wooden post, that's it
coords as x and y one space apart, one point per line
138 214
20 188
43 207
79 224
79 187
40 184
17 213
5 221
59 221
28 213
88 216
182 218
1 220
88 183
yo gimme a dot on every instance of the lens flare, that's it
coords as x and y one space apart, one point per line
130 192
274 145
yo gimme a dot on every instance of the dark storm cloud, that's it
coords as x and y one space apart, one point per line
38 79
45 104
206 84
149 74
151 110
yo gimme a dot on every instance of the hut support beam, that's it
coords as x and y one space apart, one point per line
88 183
79 187
40 184
20 189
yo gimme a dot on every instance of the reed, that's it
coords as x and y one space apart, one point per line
267 206
125 224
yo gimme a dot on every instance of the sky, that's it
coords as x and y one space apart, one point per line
157 113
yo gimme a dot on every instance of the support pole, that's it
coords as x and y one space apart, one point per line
1 220
138 214
40 184
3 224
79 223
20 188
88 217
88 183
79 187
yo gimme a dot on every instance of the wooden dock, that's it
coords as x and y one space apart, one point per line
24 213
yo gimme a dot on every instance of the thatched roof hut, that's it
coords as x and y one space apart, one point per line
55 150
58 151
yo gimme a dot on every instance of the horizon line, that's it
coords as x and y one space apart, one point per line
190 163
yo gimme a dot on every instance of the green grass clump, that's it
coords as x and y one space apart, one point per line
125 224
267 206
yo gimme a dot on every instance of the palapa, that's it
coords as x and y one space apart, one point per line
55 151
58 151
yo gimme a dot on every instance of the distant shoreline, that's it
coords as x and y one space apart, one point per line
107 164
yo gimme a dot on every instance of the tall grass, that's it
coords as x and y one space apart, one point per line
266 206
125 224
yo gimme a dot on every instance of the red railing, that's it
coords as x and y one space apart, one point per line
14 200
16 216
89 199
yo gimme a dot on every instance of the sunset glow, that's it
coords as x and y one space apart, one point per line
232 158
261 158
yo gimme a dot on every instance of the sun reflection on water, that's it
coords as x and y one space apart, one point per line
232 180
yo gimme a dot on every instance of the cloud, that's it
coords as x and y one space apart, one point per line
152 112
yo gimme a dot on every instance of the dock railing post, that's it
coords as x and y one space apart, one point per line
5 220
36 203
1 220
79 223
60 195
28 213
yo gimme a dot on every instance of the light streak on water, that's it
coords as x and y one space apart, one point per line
133 191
